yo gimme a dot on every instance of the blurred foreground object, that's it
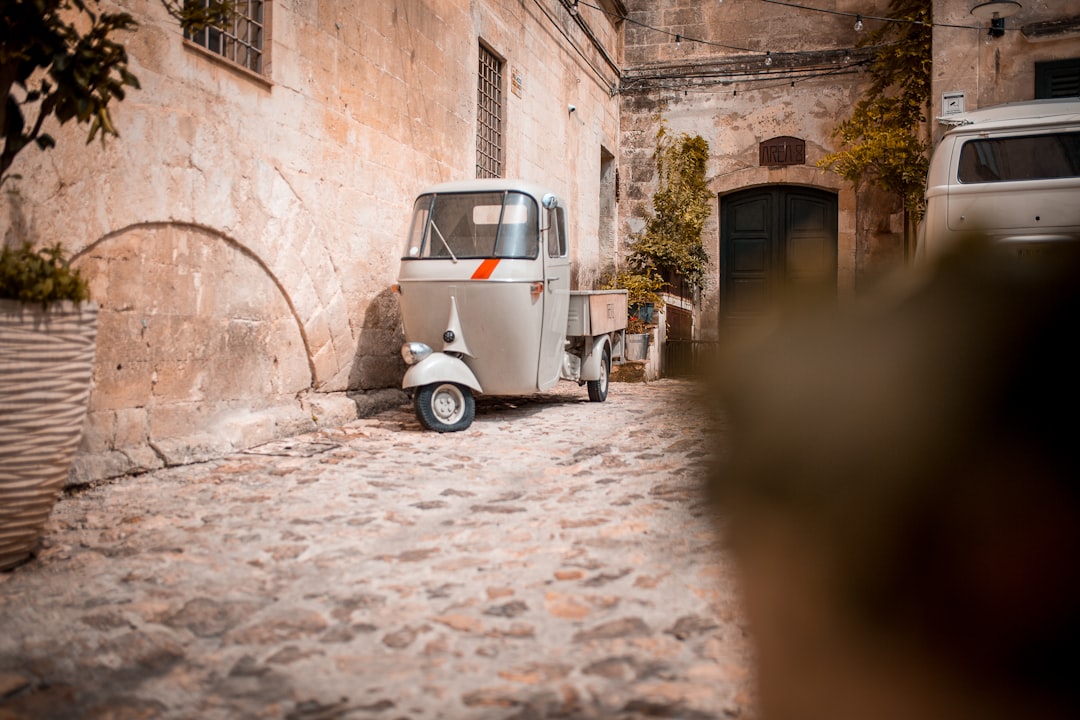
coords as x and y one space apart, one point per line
901 493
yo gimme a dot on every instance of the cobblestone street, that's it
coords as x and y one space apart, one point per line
554 560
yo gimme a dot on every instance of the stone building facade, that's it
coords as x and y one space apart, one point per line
1036 54
242 234
742 75
758 78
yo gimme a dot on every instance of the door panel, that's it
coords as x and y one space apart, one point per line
773 240
747 257
556 298
811 239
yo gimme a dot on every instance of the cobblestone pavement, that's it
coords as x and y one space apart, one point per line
554 560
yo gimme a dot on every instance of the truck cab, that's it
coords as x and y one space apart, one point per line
486 305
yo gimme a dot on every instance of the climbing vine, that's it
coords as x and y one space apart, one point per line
883 139
670 242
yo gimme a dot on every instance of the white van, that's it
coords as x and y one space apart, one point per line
1008 173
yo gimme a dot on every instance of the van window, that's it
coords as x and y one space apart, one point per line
1029 157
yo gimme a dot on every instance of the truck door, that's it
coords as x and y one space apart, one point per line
556 297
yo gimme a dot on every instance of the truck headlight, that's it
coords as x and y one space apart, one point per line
414 352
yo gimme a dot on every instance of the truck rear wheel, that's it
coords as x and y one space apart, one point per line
598 388
444 407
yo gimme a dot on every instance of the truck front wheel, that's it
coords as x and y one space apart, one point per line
445 407
598 388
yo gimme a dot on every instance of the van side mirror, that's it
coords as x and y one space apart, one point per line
551 200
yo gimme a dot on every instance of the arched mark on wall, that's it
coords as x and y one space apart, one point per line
246 251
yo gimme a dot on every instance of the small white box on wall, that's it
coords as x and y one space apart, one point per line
952 103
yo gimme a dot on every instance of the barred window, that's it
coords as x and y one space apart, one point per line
241 40
489 116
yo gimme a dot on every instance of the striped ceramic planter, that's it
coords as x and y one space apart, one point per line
46 361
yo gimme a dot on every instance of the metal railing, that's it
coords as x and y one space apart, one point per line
690 358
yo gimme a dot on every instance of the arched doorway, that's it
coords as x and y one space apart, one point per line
773 240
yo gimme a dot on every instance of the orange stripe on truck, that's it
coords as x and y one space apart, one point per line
486 268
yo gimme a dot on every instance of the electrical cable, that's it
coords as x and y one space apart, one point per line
864 16
700 41
611 88
773 80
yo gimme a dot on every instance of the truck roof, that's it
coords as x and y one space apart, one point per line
1018 114
490 185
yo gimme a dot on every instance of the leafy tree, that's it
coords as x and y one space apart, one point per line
671 239
884 139
59 58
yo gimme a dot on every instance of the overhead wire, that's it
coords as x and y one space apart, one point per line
628 82
775 79
864 16
700 41
612 88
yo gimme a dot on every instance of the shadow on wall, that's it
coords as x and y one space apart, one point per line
900 490
378 362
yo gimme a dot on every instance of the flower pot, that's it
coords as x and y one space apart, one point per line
637 346
46 364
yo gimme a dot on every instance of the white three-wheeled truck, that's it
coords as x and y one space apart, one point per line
486 302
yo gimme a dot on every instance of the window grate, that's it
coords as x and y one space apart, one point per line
489 133
241 41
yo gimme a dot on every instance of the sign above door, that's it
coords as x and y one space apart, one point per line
780 151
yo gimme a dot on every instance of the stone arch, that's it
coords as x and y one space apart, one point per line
813 177
197 338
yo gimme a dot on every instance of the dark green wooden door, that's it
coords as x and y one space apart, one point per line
774 240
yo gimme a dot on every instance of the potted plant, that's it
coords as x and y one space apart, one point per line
59 62
47 342
643 288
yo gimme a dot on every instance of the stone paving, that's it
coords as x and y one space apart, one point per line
556 560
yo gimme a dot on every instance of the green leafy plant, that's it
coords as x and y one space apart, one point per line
883 140
670 244
641 288
671 240
40 276
59 59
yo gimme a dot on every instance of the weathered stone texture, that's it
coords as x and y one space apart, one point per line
738 105
242 233
989 70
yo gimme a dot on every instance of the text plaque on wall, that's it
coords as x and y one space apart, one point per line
780 151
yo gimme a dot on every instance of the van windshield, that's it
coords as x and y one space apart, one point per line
1027 157
473 225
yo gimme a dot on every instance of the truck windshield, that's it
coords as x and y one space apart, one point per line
473 225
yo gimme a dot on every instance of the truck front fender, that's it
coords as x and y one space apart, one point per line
440 367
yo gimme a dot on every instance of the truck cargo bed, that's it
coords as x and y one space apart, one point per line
596 312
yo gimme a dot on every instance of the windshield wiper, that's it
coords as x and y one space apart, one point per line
445 244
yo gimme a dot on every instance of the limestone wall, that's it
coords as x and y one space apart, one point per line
735 90
988 70
242 234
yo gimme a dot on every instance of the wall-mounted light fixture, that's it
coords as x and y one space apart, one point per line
996 11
